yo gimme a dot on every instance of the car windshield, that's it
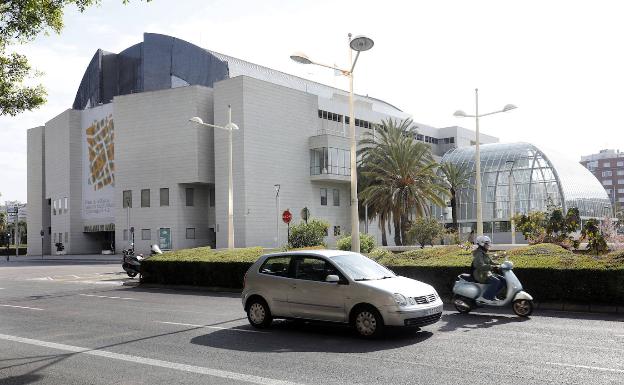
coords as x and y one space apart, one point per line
360 268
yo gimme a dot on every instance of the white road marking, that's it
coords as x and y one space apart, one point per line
234 329
104 296
22 307
587 367
151 362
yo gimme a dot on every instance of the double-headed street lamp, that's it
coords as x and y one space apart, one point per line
462 114
229 127
358 44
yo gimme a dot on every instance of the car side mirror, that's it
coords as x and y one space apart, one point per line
332 278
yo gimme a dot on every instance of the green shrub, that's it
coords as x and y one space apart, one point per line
378 253
206 254
424 231
596 242
367 243
308 234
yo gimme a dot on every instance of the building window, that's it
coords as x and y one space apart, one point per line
164 197
620 172
190 233
621 181
606 164
145 198
330 160
620 164
211 191
66 204
621 191
336 231
323 197
125 234
54 209
146 234
190 195
607 173
127 198
49 230
336 197
607 182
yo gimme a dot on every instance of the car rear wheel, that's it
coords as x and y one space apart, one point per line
367 322
258 313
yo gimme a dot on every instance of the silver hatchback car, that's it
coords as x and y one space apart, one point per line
336 286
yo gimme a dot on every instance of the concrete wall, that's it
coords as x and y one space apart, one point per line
39 218
157 147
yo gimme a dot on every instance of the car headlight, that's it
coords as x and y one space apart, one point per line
400 299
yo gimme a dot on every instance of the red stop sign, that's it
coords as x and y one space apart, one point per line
286 216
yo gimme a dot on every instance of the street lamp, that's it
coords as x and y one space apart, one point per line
229 127
462 114
277 190
512 202
357 44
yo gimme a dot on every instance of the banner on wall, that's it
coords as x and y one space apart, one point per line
98 162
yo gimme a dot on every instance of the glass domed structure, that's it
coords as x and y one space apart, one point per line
538 179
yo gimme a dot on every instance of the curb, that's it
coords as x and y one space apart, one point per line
567 307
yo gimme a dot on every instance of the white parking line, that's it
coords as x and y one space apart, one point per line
234 329
22 307
104 296
586 367
151 362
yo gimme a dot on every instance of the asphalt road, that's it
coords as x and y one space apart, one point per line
76 324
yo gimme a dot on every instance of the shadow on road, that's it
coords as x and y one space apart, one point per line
181 291
21 380
290 336
466 322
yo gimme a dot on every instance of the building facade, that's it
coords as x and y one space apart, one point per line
608 167
125 156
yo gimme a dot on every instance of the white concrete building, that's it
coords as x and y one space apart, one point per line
126 156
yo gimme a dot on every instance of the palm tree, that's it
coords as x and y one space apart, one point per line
402 180
457 177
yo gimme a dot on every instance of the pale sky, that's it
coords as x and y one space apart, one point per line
560 62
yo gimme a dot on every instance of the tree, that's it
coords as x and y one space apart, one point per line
401 173
596 242
457 177
425 230
21 21
308 234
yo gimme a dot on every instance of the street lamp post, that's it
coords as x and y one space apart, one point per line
277 218
229 127
462 114
512 202
358 44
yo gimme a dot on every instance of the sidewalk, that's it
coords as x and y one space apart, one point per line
64 258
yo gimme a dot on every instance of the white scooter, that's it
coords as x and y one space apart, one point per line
468 293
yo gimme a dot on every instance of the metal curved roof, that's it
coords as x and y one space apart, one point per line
540 177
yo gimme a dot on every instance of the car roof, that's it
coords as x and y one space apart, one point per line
316 253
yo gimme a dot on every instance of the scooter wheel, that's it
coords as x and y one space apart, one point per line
522 307
131 275
462 304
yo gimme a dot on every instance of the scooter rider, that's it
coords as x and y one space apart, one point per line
483 265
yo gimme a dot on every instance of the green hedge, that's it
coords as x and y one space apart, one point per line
549 274
11 251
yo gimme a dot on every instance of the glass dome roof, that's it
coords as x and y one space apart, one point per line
538 178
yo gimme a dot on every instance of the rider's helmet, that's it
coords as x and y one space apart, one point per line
483 240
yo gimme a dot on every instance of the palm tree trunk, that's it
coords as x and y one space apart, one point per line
397 230
384 239
404 222
454 209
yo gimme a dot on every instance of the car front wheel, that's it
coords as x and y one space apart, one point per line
367 322
258 314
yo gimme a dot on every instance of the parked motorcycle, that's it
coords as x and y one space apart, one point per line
132 263
468 293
